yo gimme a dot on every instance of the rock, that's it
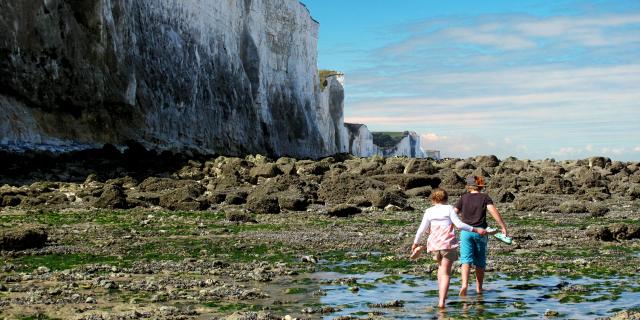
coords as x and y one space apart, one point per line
267 170
10 201
597 209
601 162
239 216
601 233
154 184
390 304
359 201
450 180
392 168
586 178
551 313
408 181
339 189
308 167
192 171
504 196
309 259
489 161
23 237
621 231
90 300
626 315
420 166
533 202
634 191
573 206
343 210
236 197
419 192
292 201
217 197
112 197
381 199
263 204
184 198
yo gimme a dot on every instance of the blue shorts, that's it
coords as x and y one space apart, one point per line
473 249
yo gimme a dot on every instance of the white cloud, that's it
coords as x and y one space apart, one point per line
636 149
613 151
518 32
432 137
567 151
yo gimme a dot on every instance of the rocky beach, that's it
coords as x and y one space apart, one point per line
100 234
164 159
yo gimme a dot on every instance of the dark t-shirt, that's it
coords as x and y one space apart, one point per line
473 209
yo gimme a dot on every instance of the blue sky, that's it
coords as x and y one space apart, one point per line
532 79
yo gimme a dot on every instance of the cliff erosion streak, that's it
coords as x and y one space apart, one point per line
227 77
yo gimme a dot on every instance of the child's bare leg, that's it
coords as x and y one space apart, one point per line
444 276
479 279
464 279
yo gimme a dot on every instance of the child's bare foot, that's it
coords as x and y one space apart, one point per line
441 305
463 291
479 291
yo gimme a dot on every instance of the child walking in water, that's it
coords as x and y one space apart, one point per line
439 221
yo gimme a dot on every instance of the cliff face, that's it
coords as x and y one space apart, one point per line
360 140
231 77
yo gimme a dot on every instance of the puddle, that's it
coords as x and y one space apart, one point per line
581 298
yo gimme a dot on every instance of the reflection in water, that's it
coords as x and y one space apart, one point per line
582 298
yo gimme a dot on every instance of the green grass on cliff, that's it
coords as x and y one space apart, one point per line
324 74
387 139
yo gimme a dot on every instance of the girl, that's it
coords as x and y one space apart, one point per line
442 243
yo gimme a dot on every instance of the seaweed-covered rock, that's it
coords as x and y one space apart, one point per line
533 202
601 233
23 237
408 181
267 170
338 189
292 201
420 166
262 204
155 184
383 198
450 180
419 192
236 197
112 197
573 206
10 201
601 162
184 198
343 210
597 209
239 216
359 201
504 196
489 161
621 231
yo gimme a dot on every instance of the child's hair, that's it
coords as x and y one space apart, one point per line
439 196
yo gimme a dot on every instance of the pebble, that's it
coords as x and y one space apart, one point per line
551 313
43 270
90 300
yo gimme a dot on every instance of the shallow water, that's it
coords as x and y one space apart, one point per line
581 298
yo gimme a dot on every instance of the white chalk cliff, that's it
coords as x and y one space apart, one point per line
230 77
